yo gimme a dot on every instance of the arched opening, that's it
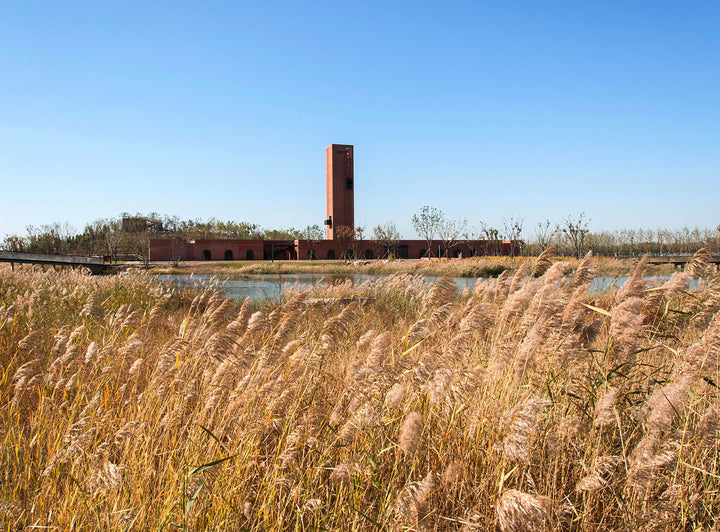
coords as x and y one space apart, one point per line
249 255
457 253
311 255
421 254
369 254
228 254
331 254
206 254
349 254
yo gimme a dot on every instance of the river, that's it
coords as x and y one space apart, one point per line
260 287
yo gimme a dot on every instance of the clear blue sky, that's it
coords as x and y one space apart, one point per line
481 109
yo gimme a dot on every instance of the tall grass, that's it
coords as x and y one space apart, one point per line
528 404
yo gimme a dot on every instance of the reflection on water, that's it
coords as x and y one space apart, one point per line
259 286
273 286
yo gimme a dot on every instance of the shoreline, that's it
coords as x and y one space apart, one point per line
465 268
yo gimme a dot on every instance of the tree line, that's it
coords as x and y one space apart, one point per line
572 237
128 236
569 237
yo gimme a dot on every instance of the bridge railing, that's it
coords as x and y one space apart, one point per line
40 258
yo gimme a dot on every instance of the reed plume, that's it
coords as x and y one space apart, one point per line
544 261
521 512
700 265
412 508
519 426
442 292
605 413
410 434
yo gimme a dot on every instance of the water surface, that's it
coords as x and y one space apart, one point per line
273 286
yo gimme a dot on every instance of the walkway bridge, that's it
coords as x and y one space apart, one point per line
95 264
678 260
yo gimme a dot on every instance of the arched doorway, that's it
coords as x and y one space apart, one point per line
457 253
349 254
311 255
421 254
331 254
228 254
206 254
369 254
249 255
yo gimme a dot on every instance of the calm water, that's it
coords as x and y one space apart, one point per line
272 286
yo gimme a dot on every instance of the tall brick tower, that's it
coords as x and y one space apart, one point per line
339 177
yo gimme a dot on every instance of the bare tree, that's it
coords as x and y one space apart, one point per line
313 234
356 243
427 223
575 231
602 243
14 243
112 238
664 238
346 237
546 232
513 228
492 239
388 237
177 250
449 231
472 238
138 244
55 238
627 237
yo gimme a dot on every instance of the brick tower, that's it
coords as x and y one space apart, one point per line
339 177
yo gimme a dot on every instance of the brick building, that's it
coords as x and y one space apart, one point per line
339 224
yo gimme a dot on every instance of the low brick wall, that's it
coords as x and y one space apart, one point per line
235 249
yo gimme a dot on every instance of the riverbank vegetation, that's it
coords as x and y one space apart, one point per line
481 267
128 236
528 404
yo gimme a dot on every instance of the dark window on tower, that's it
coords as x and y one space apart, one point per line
349 184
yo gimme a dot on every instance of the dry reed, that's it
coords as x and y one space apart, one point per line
529 404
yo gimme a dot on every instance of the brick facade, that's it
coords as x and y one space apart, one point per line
221 249
212 249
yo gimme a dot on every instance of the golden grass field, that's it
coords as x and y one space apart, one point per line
528 404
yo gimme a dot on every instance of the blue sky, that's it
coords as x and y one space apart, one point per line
482 109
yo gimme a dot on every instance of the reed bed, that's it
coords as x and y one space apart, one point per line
528 404
467 267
